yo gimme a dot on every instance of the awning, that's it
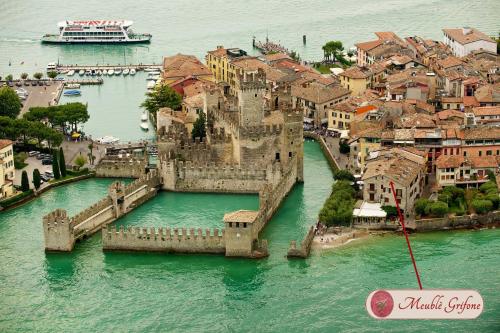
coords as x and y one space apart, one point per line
76 135
308 120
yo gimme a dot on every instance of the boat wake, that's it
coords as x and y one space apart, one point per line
18 40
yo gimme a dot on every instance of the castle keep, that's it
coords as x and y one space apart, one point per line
252 146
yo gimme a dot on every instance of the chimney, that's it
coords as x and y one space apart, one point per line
466 30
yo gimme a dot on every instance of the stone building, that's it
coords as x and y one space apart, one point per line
7 170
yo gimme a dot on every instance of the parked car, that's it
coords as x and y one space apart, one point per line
19 83
10 84
33 83
33 153
40 83
40 157
26 83
49 174
44 178
46 161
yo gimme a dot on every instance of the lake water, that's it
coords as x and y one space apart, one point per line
88 290
91 291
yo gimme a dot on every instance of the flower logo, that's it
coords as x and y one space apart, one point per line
382 304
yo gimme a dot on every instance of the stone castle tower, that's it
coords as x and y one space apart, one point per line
250 90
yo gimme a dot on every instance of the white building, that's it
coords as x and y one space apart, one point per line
465 40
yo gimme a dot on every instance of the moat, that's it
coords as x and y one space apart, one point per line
88 290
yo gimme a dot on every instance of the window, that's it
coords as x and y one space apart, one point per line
489 153
480 153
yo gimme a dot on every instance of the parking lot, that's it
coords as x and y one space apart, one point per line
33 163
45 95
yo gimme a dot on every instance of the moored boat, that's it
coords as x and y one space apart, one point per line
151 69
72 86
144 116
132 71
144 126
72 93
81 72
118 71
99 72
104 72
126 71
108 139
111 71
71 73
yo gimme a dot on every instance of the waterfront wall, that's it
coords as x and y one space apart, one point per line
61 232
163 240
305 245
457 222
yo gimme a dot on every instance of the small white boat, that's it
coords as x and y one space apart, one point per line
81 72
99 72
108 139
151 84
72 86
144 126
111 71
144 116
153 78
104 72
132 71
64 72
151 74
71 73
118 71
88 72
126 71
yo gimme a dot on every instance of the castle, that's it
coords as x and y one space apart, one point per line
253 145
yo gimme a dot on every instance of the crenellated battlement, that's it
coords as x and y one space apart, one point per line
260 131
218 136
251 81
92 210
163 240
151 179
193 170
58 231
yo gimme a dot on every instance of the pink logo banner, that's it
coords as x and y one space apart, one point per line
424 304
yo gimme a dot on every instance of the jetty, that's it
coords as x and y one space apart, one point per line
76 67
85 82
269 47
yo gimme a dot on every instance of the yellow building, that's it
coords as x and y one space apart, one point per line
7 170
219 63
341 115
359 79
360 147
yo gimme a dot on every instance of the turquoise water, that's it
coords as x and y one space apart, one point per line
91 291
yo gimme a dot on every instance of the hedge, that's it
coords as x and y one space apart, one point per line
10 201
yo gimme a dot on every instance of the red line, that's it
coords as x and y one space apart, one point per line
402 221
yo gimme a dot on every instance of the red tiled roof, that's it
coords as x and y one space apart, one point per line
4 143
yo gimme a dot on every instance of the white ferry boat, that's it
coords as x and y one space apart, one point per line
100 31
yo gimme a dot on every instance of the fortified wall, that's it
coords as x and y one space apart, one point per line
124 167
61 232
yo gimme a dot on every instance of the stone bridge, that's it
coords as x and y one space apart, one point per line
61 232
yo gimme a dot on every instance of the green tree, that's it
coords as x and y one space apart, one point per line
332 50
52 74
343 175
37 181
10 105
162 96
55 166
62 163
438 208
38 75
25 183
9 78
344 148
80 161
199 127
391 211
482 206
24 76
91 155
421 206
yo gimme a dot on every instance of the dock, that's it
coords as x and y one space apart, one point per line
76 67
85 82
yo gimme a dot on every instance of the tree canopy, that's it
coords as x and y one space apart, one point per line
25 130
162 96
25 184
332 50
38 75
65 115
338 208
36 179
10 105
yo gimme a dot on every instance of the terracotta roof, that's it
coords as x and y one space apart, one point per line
470 101
219 52
455 161
482 132
425 106
356 72
488 93
416 120
445 114
366 108
276 56
317 93
4 143
367 46
181 65
486 111
249 63
474 35
449 62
